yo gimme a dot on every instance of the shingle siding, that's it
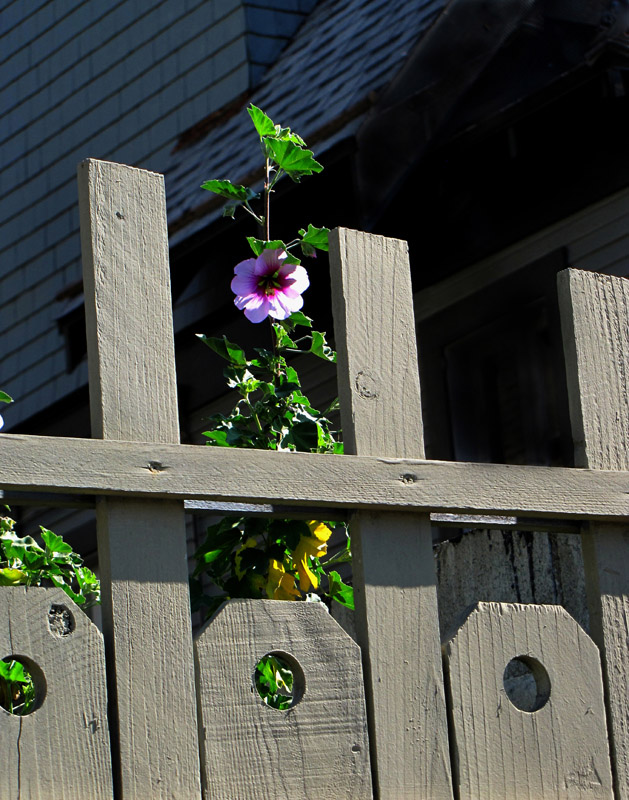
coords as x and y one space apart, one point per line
123 81
120 81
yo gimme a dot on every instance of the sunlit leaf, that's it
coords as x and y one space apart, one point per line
232 191
12 577
258 245
321 348
263 124
55 543
340 591
315 237
299 318
293 159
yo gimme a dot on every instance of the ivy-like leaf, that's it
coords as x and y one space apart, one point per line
262 123
54 543
228 350
5 398
12 671
293 159
12 577
321 348
299 318
315 237
60 583
217 437
89 585
340 591
232 191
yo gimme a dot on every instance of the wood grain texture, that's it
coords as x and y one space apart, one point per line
61 750
141 544
394 573
129 469
375 338
558 752
595 321
128 304
319 747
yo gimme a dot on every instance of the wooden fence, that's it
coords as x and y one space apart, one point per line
430 720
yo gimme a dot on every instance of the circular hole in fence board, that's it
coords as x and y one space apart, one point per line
279 680
526 683
22 685
60 620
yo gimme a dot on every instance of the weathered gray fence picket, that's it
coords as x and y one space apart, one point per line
433 735
595 321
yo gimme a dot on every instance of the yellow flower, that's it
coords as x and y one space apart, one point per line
313 545
280 584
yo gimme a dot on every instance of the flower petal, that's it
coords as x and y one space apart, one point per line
297 276
281 307
257 308
271 259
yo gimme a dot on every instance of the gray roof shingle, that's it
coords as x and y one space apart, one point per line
345 50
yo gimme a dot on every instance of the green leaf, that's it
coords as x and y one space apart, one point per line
5 398
60 583
304 435
283 339
340 591
25 550
293 159
217 437
228 350
321 348
315 237
13 671
216 550
262 123
89 585
286 133
12 577
54 543
258 245
298 318
232 191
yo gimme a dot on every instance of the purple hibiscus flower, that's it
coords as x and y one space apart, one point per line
267 286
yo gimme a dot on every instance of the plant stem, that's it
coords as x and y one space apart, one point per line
258 219
267 200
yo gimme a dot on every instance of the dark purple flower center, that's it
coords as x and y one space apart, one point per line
270 283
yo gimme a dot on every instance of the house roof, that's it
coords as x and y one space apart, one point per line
321 86
338 77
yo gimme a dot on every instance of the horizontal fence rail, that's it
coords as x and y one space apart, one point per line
130 469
